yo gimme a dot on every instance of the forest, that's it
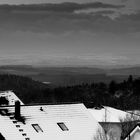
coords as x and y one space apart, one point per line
123 95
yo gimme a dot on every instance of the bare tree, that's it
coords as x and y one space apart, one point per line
102 135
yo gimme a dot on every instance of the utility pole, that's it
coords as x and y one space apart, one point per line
105 114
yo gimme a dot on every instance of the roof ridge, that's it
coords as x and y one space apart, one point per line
39 104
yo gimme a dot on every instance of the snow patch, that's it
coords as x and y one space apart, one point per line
11 97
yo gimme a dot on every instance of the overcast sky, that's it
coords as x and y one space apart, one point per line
50 1
71 34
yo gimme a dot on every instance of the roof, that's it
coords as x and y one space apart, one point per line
10 96
108 114
76 118
132 132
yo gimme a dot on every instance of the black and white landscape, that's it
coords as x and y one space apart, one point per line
76 66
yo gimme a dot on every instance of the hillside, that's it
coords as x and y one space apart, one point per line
25 88
64 76
124 71
122 95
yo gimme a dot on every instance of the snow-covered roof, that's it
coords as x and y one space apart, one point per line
10 96
133 133
47 122
108 114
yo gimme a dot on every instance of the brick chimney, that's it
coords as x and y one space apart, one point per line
17 110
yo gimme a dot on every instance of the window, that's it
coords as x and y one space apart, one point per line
62 126
37 128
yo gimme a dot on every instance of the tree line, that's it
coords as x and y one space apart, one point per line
123 95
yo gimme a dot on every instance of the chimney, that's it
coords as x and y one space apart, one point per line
17 110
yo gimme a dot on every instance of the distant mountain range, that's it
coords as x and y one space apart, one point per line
33 70
70 75
124 71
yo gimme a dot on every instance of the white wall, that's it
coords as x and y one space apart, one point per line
136 135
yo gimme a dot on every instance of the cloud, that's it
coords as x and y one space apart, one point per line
61 18
62 7
124 0
61 36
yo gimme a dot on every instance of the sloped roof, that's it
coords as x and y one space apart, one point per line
81 125
10 96
133 131
108 114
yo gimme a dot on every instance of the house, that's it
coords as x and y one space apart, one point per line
110 120
10 96
134 134
47 122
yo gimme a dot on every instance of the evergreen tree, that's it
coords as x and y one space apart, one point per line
112 87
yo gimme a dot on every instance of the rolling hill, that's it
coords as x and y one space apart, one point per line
63 76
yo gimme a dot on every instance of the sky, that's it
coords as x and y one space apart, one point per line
55 1
70 34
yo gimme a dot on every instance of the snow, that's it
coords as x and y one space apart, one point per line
134 135
76 117
80 123
108 114
11 97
